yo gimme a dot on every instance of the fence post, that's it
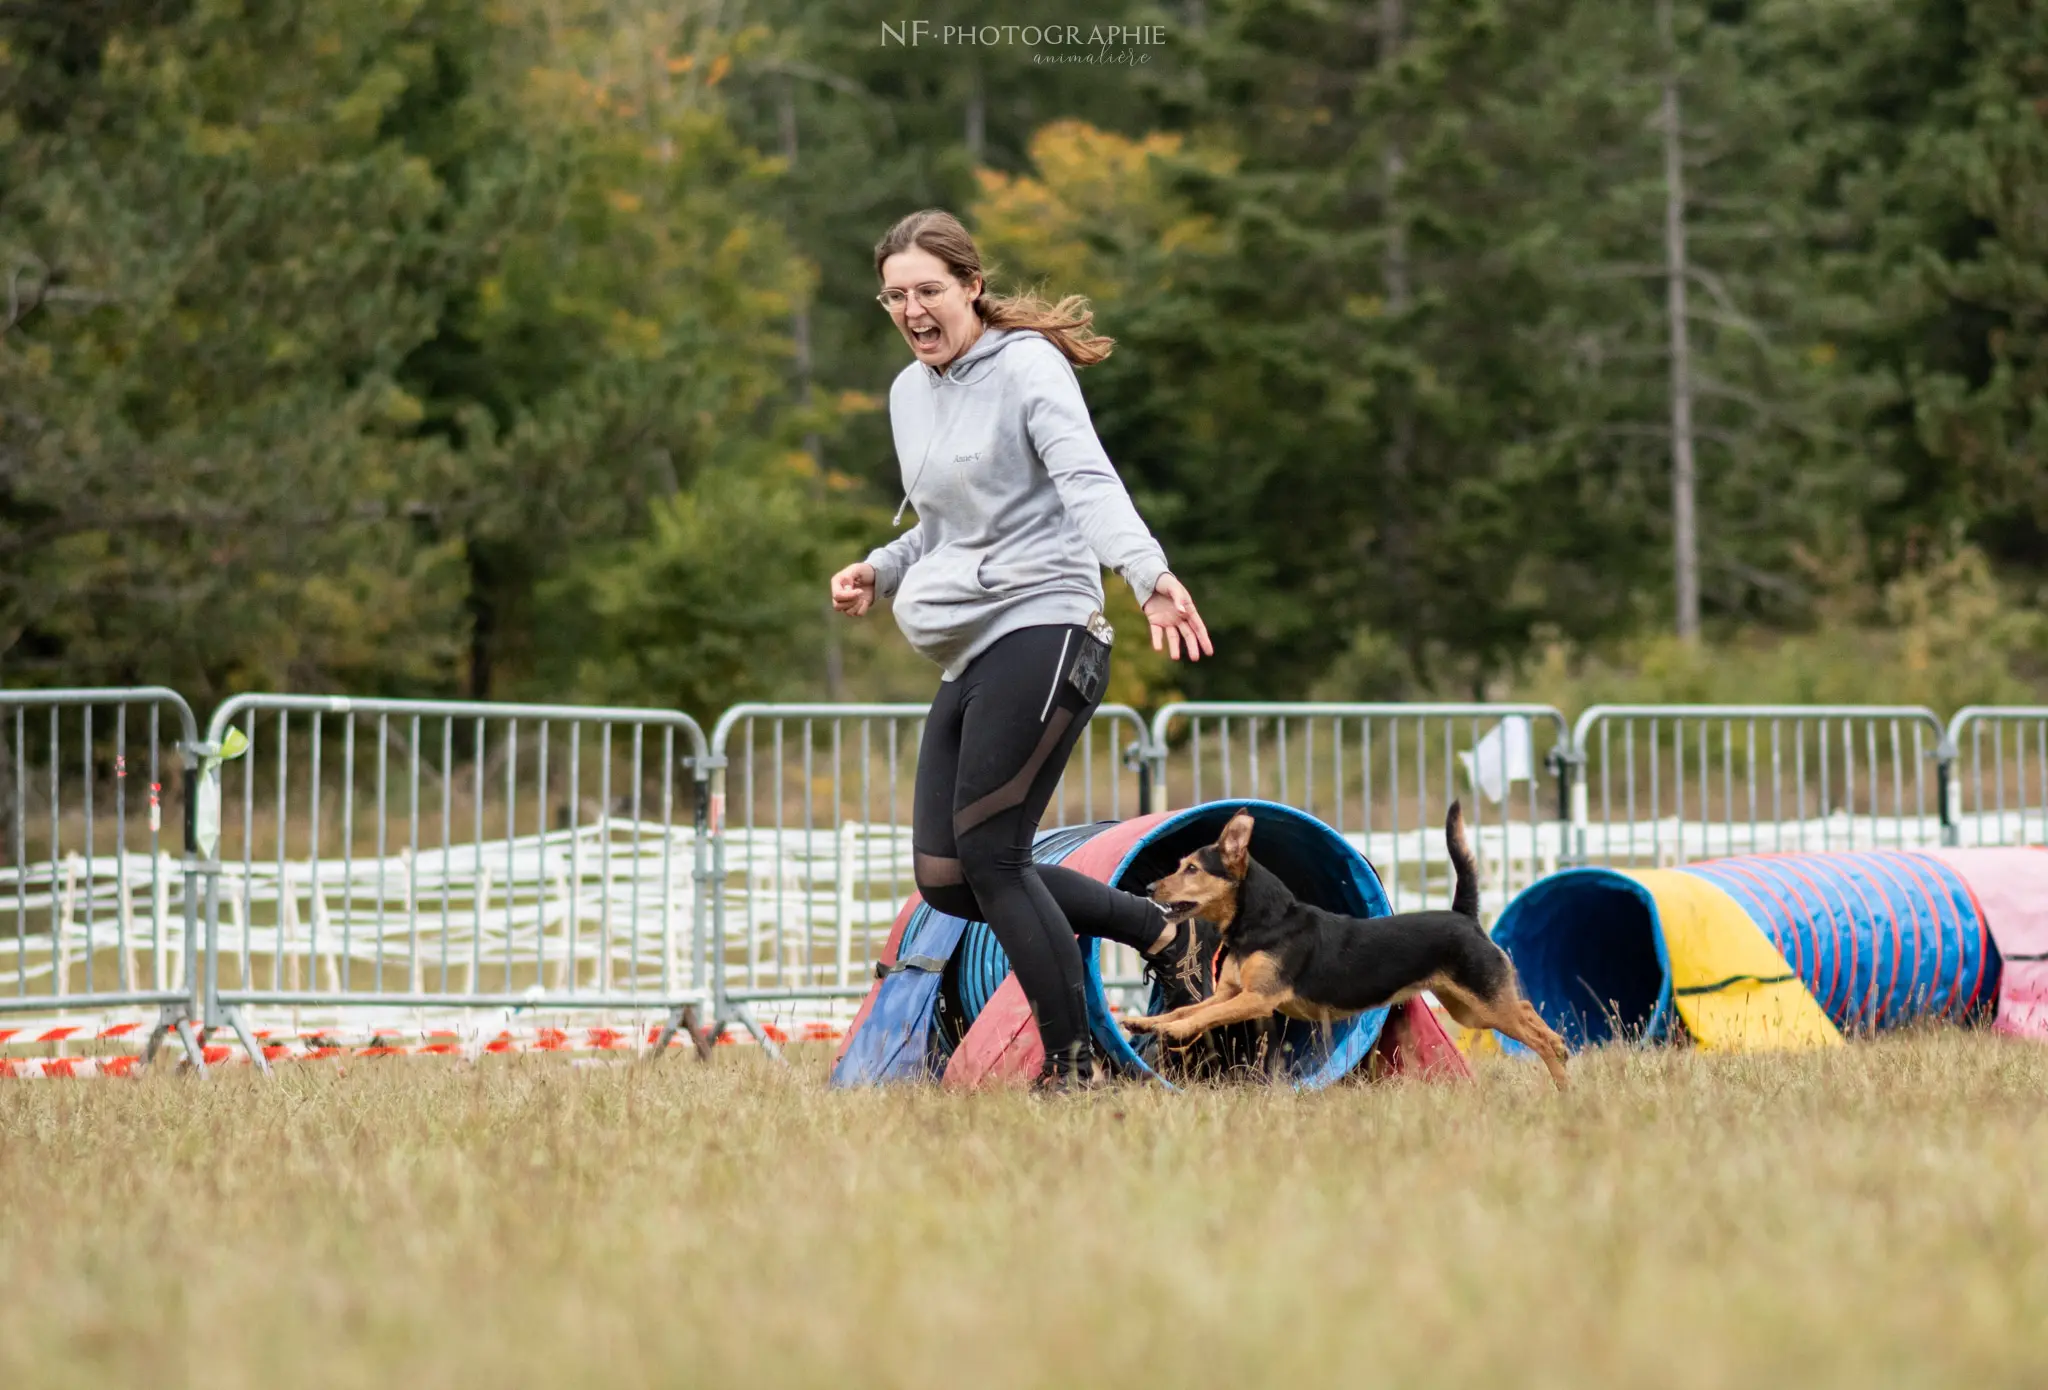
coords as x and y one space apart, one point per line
1154 789
723 1010
1945 759
709 862
1138 758
197 879
201 884
1567 762
202 760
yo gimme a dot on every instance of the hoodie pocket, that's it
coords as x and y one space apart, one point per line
1054 561
946 576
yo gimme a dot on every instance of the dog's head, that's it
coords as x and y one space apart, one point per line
1207 882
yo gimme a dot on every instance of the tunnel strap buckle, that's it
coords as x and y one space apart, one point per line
931 965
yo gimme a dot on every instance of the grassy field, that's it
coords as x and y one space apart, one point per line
1871 1216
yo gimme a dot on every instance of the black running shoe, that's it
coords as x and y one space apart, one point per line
1177 971
1074 1071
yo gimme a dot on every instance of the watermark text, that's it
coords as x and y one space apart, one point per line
915 33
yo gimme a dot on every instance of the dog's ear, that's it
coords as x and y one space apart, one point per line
1235 843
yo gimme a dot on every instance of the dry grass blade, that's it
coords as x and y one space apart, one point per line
1868 1216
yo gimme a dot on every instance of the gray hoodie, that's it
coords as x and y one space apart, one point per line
1018 507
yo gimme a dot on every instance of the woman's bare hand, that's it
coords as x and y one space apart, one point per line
853 590
1176 626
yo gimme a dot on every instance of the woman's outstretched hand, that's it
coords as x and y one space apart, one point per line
853 590
1176 626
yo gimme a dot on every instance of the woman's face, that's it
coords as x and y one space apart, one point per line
937 315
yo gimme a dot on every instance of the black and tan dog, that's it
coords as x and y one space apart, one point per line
1280 955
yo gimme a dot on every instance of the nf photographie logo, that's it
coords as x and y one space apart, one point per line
1050 43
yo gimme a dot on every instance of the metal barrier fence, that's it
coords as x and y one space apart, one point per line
811 856
105 913
439 855
1700 781
1384 775
434 856
1997 788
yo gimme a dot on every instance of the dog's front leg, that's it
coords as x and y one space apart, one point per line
1158 1023
1215 1013
1226 988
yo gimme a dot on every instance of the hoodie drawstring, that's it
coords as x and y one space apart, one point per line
897 520
935 379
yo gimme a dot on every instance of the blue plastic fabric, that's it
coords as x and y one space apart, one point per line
1881 938
983 966
1589 950
1318 864
894 1042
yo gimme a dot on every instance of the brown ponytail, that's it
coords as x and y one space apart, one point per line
1068 325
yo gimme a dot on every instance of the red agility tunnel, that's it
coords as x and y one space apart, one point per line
893 1037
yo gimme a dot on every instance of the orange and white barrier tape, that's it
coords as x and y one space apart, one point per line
123 1064
51 1034
318 1044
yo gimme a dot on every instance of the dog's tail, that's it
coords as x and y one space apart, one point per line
1465 900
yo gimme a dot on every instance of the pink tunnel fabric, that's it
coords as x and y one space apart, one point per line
2011 889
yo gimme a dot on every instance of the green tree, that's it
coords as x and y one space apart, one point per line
1337 394
714 604
620 333
210 477
1928 131
344 335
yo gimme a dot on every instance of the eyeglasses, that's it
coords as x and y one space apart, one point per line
928 295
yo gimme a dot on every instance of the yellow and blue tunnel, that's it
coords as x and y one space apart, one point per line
1785 950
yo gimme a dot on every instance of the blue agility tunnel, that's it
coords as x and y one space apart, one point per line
900 1033
893 1038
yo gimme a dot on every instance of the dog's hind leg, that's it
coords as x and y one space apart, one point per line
1520 1021
1508 1013
1462 1006
1543 1039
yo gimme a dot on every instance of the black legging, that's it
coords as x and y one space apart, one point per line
995 743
